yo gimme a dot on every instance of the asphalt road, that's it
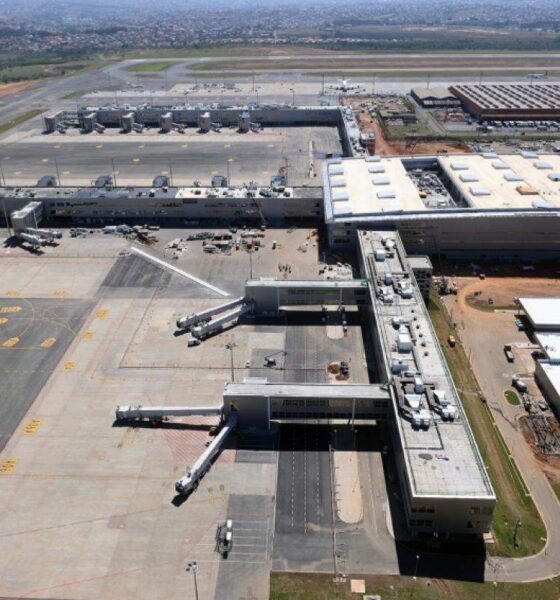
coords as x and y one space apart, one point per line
34 334
303 532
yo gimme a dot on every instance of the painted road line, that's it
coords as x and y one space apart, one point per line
8 465
10 309
32 427
179 271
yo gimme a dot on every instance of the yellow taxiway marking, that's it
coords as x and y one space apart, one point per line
88 335
48 342
227 145
66 172
99 146
17 173
116 172
270 145
101 314
8 465
135 160
3 320
32 426
70 365
165 172
264 172
12 293
184 145
142 146
59 293
44 160
10 343
10 309
57 146
215 172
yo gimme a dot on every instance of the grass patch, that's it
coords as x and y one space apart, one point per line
219 76
150 67
20 119
295 586
556 488
228 50
74 94
513 499
512 398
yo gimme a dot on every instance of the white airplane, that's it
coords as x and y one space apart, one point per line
344 85
538 75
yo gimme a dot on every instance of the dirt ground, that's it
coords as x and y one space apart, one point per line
485 328
6 89
503 290
384 147
549 464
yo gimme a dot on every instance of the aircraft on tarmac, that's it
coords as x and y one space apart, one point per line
344 85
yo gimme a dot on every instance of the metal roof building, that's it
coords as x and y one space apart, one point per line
543 313
510 100
434 97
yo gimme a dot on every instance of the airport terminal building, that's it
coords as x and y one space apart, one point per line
460 206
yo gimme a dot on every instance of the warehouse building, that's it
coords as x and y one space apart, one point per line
436 97
517 101
543 315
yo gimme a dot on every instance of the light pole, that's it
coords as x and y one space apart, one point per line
193 568
8 229
229 161
57 172
114 173
518 524
230 346
170 173
2 174
416 567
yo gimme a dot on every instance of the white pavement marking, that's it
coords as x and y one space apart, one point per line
179 271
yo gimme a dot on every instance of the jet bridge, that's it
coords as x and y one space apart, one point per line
159 413
271 295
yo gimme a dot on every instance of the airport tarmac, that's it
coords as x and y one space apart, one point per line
93 513
188 158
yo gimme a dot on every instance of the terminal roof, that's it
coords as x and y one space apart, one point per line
444 459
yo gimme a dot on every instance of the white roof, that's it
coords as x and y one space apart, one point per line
544 313
550 343
367 194
503 183
552 372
